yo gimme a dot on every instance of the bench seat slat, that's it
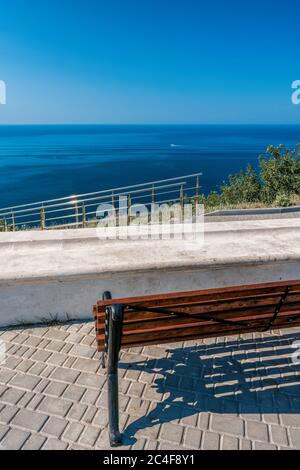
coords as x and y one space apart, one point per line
195 322
198 330
133 316
206 305
209 332
174 323
205 295
253 304
135 320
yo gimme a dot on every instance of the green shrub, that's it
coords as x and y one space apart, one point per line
242 187
213 199
279 172
278 181
282 200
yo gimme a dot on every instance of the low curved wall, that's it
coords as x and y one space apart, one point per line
62 273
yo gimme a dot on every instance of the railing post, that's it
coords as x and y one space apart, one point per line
83 215
13 220
42 218
197 192
113 200
5 224
128 207
151 214
76 214
181 196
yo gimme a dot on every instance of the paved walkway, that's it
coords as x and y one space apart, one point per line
211 394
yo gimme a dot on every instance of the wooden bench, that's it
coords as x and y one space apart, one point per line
156 319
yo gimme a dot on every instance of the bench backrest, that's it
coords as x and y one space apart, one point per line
199 314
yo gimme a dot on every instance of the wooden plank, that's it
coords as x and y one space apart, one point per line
217 293
209 305
207 334
137 320
174 321
216 307
174 333
253 304
212 304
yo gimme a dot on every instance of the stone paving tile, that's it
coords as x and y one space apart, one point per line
90 414
295 438
29 420
90 397
220 393
57 359
77 411
35 442
55 389
171 432
264 446
279 435
53 406
227 424
257 431
54 444
73 432
91 380
245 444
192 438
210 441
229 443
54 427
82 350
87 365
3 430
89 436
12 395
25 381
7 413
74 393
14 439
55 346
65 375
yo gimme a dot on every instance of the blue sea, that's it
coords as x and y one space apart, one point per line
44 162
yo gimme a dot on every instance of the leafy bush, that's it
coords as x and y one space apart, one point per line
282 200
277 182
279 172
242 187
213 199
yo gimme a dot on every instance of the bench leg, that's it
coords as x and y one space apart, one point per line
114 342
106 296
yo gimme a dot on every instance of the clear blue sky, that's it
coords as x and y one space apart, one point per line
149 61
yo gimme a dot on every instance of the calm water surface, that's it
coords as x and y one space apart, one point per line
44 162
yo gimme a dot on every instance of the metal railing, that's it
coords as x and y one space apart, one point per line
80 210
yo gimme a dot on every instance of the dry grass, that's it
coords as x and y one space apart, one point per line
295 201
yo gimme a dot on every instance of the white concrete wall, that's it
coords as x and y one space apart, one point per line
62 273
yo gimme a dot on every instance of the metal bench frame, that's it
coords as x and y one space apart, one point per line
110 358
113 327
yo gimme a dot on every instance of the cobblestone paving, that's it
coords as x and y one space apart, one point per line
232 393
